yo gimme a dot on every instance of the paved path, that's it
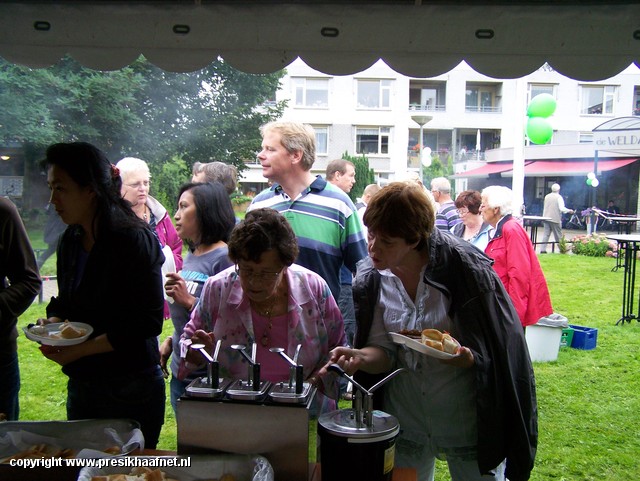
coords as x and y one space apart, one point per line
49 288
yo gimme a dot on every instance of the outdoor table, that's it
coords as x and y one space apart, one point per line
630 244
624 223
533 222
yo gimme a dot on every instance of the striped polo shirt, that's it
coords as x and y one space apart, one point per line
326 225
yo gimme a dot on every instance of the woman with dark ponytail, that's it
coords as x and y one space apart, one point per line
109 276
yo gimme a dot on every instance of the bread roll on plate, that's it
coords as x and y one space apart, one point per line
440 341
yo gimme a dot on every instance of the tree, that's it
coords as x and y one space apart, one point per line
364 174
437 169
140 111
170 174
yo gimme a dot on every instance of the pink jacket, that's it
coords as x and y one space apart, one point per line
517 265
167 235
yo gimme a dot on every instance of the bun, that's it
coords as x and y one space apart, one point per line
440 341
449 344
434 344
431 334
432 338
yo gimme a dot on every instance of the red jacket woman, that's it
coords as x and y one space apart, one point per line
515 260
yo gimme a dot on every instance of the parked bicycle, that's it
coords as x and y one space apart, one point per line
575 222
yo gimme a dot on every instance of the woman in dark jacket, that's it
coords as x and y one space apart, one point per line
477 408
109 276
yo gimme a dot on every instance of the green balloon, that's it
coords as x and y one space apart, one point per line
539 130
589 181
542 105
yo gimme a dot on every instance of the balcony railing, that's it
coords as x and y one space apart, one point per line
427 107
483 109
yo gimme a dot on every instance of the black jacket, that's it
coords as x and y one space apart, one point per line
120 294
486 323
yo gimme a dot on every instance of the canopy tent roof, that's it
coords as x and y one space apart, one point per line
486 170
420 38
541 168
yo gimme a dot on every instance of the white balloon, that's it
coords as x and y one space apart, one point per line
595 183
591 175
426 156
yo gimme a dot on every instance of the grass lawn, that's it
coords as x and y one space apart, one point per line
588 401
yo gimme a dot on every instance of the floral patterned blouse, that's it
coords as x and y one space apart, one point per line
314 321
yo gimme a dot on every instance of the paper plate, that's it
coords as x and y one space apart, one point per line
416 345
51 335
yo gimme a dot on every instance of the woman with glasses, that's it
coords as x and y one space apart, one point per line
474 409
472 228
204 220
135 189
268 300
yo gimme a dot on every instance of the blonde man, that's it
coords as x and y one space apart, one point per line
322 216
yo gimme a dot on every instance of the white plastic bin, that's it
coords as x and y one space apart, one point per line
543 337
543 342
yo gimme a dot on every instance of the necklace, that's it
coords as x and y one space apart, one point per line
144 213
264 340
268 313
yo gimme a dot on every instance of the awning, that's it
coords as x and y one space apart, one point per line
582 40
541 168
486 170
568 168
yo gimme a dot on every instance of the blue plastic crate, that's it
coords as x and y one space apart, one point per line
584 337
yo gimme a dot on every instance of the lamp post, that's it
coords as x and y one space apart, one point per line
421 120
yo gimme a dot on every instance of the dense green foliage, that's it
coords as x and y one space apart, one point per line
438 168
364 174
140 111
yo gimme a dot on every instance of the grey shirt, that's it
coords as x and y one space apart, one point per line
195 271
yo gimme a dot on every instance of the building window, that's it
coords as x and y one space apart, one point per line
482 98
537 89
374 94
429 96
597 99
322 140
310 92
372 140
585 138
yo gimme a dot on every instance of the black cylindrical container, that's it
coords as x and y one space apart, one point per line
348 452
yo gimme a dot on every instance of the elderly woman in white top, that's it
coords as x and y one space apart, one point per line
136 180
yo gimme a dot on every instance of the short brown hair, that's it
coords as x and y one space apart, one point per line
337 165
470 199
401 209
260 231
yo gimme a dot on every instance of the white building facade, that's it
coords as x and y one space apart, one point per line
473 120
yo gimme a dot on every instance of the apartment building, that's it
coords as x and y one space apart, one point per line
475 121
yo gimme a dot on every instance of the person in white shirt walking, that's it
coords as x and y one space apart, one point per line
553 208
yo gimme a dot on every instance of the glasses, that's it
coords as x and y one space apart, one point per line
462 211
250 274
137 185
